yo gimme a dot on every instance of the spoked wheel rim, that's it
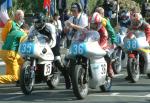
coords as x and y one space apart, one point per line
119 54
29 78
135 70
117 64
82 83
55 78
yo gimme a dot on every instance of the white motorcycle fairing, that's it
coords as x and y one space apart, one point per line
99 72
139 44
87 49
90 48
136 42
37 48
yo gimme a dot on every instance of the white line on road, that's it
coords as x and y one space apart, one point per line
148 95
16 93
118 75
113 94
14 97
131 96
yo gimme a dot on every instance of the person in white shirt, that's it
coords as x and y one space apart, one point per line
58 27
57 23
77 22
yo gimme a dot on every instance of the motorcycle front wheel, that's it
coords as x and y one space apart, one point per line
118 59
27 78
79 84
107 85
54 80
148 75
133 70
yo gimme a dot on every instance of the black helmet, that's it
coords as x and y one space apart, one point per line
76 6
39 21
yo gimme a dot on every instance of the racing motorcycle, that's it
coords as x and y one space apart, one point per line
118 54
87 64
137 48
39 63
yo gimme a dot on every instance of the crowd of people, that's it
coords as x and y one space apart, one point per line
69 26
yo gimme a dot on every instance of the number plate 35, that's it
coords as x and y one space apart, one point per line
47 69
26 48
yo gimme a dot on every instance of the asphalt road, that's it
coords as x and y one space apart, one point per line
122 92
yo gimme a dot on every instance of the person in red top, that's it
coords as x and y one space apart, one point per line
138 23
96 24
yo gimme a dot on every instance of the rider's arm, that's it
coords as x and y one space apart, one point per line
111 31
53 34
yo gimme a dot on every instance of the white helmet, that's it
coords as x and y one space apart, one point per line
136 16
136 20
96 18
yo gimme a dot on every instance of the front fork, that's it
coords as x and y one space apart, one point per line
86 75
135 56
33 67
85 65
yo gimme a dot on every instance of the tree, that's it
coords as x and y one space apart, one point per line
30 6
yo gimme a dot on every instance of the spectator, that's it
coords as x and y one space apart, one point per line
11 35
58 27
84 4
25 27
77 22
146 10
61 6
65 17
110 6
145 7
52 8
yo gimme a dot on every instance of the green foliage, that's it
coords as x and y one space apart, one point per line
129 4
91 5
30 6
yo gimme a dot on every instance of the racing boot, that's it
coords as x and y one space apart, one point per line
17 83
110 71
109 66
128 77
64 72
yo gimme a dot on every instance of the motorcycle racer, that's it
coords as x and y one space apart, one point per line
48 30
96 24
